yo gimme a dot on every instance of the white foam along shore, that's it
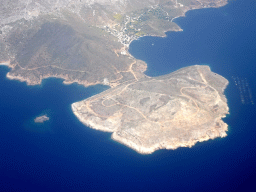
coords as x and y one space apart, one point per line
5 63
151 149
169 146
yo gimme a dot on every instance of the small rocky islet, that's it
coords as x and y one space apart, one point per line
41 119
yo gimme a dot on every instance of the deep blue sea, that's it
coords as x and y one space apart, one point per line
64 155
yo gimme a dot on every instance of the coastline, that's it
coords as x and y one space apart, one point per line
5 63
65 154
147 151
114 136
66 81
172 20
175 145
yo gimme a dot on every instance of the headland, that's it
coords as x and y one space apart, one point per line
165 112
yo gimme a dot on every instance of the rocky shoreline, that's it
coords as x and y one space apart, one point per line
146 151
66 81
149 150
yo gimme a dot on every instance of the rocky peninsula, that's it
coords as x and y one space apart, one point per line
166 112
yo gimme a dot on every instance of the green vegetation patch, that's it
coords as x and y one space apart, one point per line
140 33
118 17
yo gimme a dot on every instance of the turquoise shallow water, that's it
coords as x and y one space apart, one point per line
64 155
